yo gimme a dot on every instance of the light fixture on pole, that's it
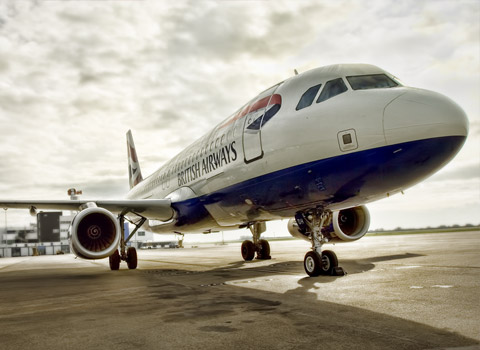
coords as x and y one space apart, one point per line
6 237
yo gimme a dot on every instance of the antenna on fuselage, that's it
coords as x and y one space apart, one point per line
295 71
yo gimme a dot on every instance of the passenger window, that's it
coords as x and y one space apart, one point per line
375 81
308 97
332 88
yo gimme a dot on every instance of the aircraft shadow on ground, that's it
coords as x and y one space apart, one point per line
258 269
215 298
294 267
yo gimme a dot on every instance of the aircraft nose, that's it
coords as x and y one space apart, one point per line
422 114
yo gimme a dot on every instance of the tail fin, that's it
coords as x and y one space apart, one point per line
134 172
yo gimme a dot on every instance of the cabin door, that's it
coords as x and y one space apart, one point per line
252 129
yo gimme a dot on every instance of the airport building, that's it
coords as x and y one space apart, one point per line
19 235
65 221
48 236
48 226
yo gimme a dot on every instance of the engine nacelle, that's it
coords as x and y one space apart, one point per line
346 225
350 224
94 233
296 231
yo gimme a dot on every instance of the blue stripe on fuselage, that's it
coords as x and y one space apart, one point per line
348 179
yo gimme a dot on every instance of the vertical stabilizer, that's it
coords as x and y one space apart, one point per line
134 172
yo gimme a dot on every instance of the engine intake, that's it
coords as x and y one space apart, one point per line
351 224
94 233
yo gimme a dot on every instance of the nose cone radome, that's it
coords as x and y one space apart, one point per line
422 114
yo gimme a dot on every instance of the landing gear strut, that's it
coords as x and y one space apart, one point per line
129 255
317 262
259 246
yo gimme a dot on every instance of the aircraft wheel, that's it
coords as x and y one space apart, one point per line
264 252
329 262
132 258
114 260
312 264
248 250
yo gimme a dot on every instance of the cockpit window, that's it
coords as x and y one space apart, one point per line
332 88
308 97
374 81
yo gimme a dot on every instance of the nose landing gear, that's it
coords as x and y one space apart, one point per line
316 262
326 263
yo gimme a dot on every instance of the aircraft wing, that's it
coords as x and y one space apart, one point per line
159 209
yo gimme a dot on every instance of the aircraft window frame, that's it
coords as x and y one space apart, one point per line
355 85
329 89
308 97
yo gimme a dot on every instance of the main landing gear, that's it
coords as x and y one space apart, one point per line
316 261
259 246
130 254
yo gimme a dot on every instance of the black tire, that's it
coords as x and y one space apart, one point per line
312 264
114 261
329 262
132 258
264 250
248 250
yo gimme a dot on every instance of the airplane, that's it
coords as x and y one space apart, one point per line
314 148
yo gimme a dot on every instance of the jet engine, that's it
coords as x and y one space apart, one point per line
345 225
94 233
350 224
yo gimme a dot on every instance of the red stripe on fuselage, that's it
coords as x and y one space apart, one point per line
276 99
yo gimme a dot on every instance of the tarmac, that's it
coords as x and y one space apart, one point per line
401 292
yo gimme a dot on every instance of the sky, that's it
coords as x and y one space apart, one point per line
76 75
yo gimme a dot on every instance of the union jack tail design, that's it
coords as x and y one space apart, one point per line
134 172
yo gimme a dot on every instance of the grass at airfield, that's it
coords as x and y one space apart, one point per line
426 230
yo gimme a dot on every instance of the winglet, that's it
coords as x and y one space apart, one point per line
134 172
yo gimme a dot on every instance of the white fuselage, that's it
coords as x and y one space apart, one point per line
272 158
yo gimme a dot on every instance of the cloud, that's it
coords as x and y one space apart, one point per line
75 76
466 172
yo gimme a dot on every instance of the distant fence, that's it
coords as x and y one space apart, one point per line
40 249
